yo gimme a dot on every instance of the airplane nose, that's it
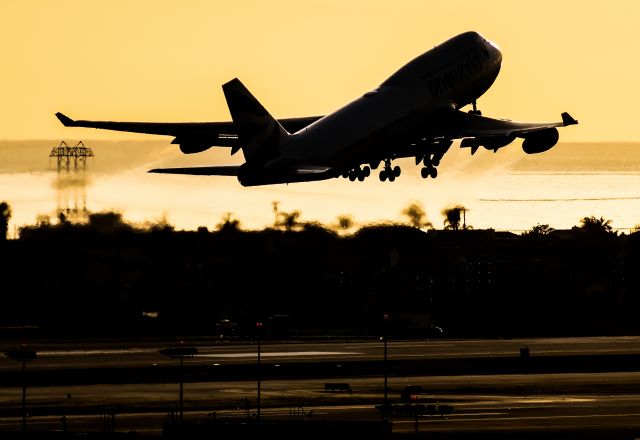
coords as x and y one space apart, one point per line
494 50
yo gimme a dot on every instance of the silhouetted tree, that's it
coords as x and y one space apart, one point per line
106 222
595 225
162 224
345 222
228 224
276 213
43 221
289 220
5 215
416 216
452 217
539 231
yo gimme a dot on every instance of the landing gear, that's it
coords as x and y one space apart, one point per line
358 173
475 110
429 172
429 169
388 172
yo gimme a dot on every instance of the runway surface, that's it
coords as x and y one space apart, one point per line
139 354
607 402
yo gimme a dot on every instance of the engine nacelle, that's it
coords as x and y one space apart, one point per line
540 141
193 147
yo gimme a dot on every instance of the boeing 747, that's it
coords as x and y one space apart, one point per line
415 113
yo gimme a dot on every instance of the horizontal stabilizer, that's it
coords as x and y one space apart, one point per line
228 170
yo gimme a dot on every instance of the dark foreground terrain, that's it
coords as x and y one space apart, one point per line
105 279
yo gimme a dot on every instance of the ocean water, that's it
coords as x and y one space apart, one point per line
508 190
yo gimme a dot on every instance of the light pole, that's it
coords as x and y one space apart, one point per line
180 352
258 329
385 319
23 354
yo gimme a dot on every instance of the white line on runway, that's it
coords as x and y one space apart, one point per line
252 354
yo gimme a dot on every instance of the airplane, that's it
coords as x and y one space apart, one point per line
416 112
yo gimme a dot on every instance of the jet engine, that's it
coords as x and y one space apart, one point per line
193 147
540 141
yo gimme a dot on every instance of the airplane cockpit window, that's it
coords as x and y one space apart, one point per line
371 93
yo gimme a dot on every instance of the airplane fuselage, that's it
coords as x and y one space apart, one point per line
451 75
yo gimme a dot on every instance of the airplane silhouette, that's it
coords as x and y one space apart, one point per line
416 113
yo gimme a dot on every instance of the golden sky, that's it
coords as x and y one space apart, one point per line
154 60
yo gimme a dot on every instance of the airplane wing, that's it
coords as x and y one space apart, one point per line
458 125
226 170
193 137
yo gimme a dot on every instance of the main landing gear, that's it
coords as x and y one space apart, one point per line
429 171
388 172
430 155
358 173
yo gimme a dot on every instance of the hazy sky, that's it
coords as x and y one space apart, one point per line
166 60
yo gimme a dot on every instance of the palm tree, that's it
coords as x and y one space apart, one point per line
5 215
453 215
595 225
290 220
417 216
539 231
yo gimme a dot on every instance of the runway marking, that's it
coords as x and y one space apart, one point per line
557 400
94 352
546 417
278 354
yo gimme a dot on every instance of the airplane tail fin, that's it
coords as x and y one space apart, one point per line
259 133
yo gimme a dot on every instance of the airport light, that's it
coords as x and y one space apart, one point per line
180 352
258 331
23 354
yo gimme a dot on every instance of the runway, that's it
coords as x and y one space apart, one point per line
145 353
493 404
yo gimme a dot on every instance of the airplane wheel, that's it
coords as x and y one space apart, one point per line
383 176
345 175
352 175
366 171
392 178
433 172
361 177
424 172
396 171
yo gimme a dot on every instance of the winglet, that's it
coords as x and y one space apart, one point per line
568 120
66 121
